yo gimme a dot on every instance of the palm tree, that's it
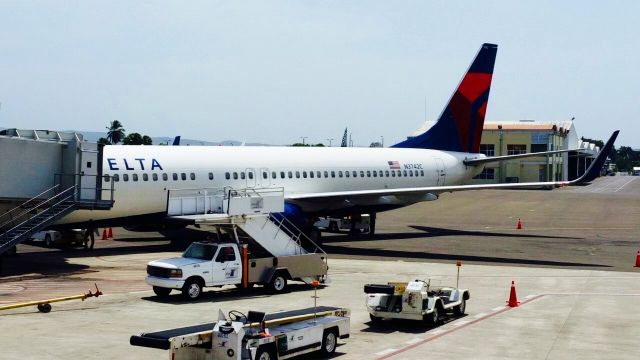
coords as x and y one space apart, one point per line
116 132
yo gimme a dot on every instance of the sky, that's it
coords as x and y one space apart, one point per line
276 71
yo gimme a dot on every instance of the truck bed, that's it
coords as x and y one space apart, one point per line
161 339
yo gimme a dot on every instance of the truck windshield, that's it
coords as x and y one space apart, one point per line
200 251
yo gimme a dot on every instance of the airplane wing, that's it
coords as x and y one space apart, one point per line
486 160
589 175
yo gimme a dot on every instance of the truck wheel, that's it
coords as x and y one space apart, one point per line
329 342
192 289
264 354
161 292
278 283
47 241
375 319
333 226
460 309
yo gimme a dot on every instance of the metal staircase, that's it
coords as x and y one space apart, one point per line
19 223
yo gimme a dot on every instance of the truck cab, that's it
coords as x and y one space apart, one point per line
201 265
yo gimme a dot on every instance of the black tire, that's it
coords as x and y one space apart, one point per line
372 225
47 241
44 308
329 342
278 283
192 289
375 319
333 226
13 251
434 317
379 289
460 309
161 292
264 354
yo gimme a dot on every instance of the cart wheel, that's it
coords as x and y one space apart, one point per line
329 342
44 308
278 283
460 309
264 354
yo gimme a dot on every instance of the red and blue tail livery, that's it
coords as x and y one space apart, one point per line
459 127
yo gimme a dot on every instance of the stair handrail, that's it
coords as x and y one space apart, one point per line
281 224
7 232
21 206
39 205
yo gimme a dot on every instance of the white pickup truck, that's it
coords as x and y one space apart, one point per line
206 264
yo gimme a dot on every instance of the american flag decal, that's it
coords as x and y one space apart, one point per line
393 164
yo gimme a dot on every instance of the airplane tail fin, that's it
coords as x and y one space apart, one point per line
459 127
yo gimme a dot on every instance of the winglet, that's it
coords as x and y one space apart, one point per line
594 169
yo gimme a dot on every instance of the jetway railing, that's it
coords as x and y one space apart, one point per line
91 188
31 205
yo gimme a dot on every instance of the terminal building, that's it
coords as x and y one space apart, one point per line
528 136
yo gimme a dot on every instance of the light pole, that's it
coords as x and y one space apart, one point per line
330 140
303 139
382 141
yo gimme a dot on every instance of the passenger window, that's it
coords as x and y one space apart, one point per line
235 175
183 176
227 175
273 175
311 174
145 177
361 173
318 174
375 174
368 173
339 173
242 175
386 173
265 175
174 176
290 174
135 177
210 176
333 174
125 177
165 177
355 173
192 176
297 174
393 173
107 178
281 174
380 173
116 177
399 173
410 172
304 174
326 174
346 173
250 173
154 176
421 172
404 173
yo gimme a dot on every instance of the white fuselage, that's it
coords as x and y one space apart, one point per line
146 173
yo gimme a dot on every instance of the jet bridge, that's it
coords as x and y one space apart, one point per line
255 211
45 175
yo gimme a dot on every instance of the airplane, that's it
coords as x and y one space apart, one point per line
320 181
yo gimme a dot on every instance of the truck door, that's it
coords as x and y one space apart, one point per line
226 266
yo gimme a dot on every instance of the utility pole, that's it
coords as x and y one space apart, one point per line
303 139
382 141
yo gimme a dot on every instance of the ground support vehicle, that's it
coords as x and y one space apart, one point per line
73 237
257 335
209 264
358 225
415 300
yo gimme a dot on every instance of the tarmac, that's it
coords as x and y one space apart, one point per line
572 263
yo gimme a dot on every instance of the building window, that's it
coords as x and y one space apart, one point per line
516 149
488 149
538 148
486 174
539 138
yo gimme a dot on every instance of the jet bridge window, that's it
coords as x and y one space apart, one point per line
135 177
192 176
125 177
210 176
145 177
154 176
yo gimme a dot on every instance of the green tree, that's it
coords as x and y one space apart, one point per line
116 132
137 139
104 141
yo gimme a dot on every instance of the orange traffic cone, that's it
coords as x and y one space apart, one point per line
110 233
519 225
513 299
638 259
104 234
